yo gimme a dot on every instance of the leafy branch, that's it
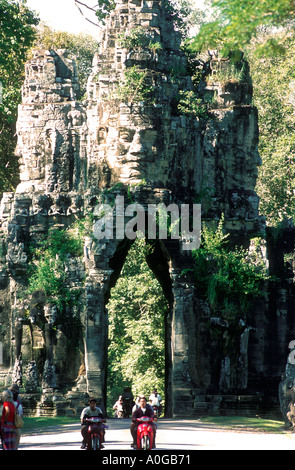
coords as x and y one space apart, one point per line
191 105
237 22
101 9
133 88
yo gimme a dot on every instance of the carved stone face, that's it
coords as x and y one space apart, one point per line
134 152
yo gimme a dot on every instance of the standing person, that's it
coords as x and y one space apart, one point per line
118 406
18 405
136 404
155 401
8 429
128 402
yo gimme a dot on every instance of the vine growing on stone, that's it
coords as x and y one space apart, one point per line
229 279
135 86
48 267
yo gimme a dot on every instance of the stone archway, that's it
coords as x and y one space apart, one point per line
167 263
156 259
76 157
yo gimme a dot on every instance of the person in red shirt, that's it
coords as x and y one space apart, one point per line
8 430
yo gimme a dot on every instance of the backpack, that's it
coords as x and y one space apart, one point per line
18 420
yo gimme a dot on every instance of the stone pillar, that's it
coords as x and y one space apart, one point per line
17 375
182 386
49 376
96 334
32 378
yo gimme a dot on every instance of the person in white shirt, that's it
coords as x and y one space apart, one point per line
155 400
90 411
118 406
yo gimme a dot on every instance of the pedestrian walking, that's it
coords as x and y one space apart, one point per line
19 407
8 430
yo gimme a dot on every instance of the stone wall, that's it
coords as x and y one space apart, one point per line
74 158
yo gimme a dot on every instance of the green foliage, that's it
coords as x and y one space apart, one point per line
137 311
42 424
104 9
155 46
229 74
47 269
256 424
274 96
184 14
134 39
9 167
17 33
191 105
236 22
134 87
137 39
228 279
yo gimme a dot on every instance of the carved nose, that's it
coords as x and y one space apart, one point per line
136 149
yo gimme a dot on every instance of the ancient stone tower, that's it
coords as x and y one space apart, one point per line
130 140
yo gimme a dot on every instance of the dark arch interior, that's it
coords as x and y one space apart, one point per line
158 261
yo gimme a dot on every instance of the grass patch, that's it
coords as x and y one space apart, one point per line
246 423
238 423
43 424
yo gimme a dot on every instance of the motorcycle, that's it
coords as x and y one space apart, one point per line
119 414
94 433
145 433
156 411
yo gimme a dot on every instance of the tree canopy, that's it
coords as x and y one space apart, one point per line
274 96
236 22
17 33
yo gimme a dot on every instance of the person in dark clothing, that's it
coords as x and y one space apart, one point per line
128 402
143 410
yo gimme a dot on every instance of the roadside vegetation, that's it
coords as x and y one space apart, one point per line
249 424
233 423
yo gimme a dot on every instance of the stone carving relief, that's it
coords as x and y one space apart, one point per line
75 155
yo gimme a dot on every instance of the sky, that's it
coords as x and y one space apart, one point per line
63 15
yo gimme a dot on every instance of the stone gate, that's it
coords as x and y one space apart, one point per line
131 141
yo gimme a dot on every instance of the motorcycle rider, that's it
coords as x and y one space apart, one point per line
143 410
155 400
90 411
